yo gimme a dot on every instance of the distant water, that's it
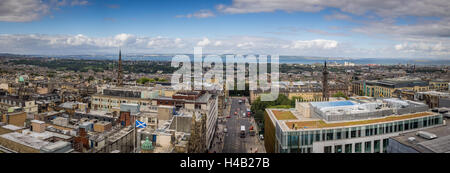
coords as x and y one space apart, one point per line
282 60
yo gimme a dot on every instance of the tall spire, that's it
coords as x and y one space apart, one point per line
119 73
325 93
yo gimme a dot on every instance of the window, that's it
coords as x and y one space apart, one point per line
293 140
358 148
385 145
368 147
330 135
376 146
347 134
311 139
415 124
327 149
338 134
400 126
348 148
338 149
318 136
353 133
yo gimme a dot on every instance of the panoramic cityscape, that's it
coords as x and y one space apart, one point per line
227 76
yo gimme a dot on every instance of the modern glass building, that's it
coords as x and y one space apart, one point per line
300 131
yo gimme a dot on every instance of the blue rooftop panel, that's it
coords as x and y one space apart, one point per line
332 104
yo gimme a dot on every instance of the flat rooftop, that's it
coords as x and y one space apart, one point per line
289 119
283 115
441 144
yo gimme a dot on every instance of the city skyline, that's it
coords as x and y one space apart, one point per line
387 29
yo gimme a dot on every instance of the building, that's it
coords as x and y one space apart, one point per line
15 116
29 106
434 99
428 140
34 141
386 88
38 126
358 125
202 101
307 90
439 85
113 97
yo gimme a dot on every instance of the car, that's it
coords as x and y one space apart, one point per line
261 137
235 113
225 130
228 116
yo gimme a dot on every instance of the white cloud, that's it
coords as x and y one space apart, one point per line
30 10
204 42
82 44
424 48
317 44
246 45
199 14
391 8
218 43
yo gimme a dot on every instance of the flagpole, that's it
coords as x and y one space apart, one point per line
135 135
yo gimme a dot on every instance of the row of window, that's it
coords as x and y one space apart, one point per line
123 101
305 138
348 148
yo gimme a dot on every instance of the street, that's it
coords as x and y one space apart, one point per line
233 143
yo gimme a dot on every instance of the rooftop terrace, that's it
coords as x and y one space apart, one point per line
284 115
319 123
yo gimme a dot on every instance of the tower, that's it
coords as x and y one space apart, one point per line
119 72
325 95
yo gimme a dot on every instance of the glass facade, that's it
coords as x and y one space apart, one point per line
348 148
338 149
358 147
368 147
376 146
302 140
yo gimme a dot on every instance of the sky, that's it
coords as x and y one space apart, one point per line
326 28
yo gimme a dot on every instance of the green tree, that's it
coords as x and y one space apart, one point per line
340 94
91 78
258 107
143 80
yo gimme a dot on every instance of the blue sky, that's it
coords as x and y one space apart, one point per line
298 27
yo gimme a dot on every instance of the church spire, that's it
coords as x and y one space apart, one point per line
325 93
119 73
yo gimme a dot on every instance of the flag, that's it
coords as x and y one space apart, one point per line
140 124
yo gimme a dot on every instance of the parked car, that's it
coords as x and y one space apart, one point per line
261 137
225 130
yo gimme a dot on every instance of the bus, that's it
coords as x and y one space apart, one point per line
242 131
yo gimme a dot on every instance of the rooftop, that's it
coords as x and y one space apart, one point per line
284 115
441 144
332 104
322 124
12 127
436 93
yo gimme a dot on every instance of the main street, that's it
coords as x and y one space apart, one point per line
233 143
